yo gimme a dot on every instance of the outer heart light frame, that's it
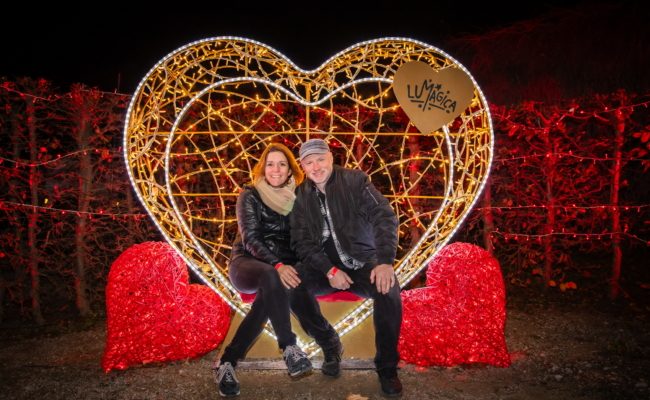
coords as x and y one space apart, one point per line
188 148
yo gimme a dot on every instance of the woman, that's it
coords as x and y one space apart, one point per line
262 262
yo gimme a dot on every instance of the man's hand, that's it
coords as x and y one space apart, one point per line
288 276
383 276
341 280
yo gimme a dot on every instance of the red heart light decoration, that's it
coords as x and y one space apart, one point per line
459 317
154 314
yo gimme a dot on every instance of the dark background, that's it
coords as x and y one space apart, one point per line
114 46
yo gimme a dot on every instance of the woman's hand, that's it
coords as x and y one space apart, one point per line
288 276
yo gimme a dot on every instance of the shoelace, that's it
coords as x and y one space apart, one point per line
294 353
226 373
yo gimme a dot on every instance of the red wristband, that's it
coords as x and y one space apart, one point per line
278 265
332 272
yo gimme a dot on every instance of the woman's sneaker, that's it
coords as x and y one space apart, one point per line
227 380
297 362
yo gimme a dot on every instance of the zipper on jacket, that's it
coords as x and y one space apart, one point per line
373 197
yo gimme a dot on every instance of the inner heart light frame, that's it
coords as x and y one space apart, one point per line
204 113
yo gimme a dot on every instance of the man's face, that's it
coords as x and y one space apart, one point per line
318 167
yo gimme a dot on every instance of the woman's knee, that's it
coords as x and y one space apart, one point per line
247 273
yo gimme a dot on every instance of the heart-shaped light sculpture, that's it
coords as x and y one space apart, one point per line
202 115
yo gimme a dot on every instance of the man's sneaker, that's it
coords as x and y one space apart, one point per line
297 362
332 360
227 380
390 383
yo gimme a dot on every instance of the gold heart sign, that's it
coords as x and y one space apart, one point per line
203 114
431 98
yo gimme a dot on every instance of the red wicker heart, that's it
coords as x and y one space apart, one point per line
459 317
154 314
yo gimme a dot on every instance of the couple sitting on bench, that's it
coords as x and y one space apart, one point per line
299 238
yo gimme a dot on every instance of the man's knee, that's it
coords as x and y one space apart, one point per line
393 295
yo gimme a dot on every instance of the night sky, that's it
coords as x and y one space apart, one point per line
114 48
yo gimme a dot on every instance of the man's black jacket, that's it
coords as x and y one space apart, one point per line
365 224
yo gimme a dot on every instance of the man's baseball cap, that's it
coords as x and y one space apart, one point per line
313 146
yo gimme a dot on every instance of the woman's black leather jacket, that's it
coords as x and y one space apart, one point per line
263 233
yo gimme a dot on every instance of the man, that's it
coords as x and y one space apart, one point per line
344 233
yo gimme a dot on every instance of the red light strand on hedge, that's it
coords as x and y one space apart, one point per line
638 207
575 113
104 151
8 87
560 155
61 211
520 237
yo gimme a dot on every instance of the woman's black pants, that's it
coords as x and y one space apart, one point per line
250 275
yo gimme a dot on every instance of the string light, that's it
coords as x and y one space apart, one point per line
566 154
638 207
247 94
105 153
7 86
63 211
574 235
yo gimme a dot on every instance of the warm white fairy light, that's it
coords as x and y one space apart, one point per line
190 77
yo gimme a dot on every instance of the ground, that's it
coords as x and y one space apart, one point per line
561 348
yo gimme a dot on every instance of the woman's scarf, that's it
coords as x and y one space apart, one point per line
279 199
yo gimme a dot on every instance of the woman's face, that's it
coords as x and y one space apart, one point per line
276 170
